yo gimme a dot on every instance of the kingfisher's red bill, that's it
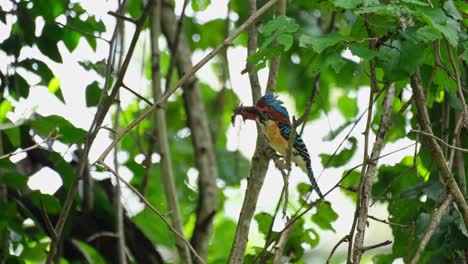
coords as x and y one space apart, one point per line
247 112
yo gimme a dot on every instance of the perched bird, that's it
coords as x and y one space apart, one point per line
274 122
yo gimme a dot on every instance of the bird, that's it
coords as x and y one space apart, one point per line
273 119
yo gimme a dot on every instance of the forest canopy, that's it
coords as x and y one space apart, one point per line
118 142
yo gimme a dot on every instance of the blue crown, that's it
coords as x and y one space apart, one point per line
273 101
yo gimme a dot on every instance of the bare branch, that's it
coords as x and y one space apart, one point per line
344 239
436 215
120 16
101 234
141 97
439 139
48 224
385 243
368 177
281 244
459 85
35 146
82 32
175 45
275 61
386 222
434 148
252 49
160 132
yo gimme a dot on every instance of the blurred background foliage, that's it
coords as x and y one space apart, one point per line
312 38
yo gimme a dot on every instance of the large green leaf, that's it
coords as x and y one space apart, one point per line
93 93
340 158
319 43
13 180
325 216
57 124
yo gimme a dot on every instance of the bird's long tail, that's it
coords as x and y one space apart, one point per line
313 182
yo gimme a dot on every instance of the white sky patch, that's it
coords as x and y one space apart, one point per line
347 54
45 180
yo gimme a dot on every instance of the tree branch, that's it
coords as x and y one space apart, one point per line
175 45
368 178
439 139
434 148
275 61
160 132
252 49
385 243
344 239
386 222
281 244
436 215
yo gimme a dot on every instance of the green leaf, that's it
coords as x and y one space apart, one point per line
47 42
93 94
325 216
200 5
14 180
348 106
347 4
363 52
283 24
429 33
350 181
452 10
35 252
92 255
99 67
319 43
18 86
334 60
233 166
415 2
385 10
286 40
38 67
455 102
54 88
5 107
51 203
341 158
47 124
264 222
13 135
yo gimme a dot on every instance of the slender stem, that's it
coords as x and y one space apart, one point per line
431 226
275 61
160 132
175 45
439 139
343 240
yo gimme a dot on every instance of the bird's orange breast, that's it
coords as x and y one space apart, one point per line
276 140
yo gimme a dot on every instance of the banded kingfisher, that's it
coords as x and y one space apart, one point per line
273 119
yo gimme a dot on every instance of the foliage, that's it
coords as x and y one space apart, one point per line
312 39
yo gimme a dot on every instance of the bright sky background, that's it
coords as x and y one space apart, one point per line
74 79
